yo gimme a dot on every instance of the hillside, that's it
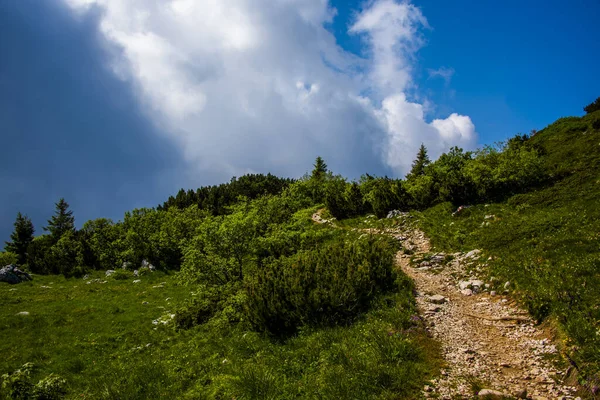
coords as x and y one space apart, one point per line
251 298
545 242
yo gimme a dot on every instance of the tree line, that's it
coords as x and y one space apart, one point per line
162 235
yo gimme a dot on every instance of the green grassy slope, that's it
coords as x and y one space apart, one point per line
545 242
101 339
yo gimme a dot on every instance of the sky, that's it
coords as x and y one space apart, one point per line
116 104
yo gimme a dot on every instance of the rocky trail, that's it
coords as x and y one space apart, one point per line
491 347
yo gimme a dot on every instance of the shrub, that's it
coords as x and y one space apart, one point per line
6 258
17 385
38 255
52 387
201 309
326 286
121 274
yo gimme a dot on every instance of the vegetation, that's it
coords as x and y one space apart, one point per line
217 198
545 242
62 221
20 239
252 299
592 107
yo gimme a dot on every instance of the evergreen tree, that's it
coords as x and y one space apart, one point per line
320 169
61 222
595 106
422 161
21 238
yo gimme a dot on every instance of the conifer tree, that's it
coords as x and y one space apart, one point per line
20 238
595 106
320 169
61 222
422 161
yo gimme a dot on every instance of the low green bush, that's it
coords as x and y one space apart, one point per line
7 258
121 274
328 285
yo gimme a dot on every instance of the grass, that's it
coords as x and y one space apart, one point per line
101 339
546 243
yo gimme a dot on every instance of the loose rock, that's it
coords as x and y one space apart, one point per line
491 394
437 299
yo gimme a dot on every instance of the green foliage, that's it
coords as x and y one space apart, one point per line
18 385
209 300
335 198
544 242
331 284
61 222
319 169
101 339
384 195
52 387
216 199
20 239
498 174
101 239
592 107
7 258
39 258
121 275
420 163
67 255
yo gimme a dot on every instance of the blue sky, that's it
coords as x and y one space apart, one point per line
113 112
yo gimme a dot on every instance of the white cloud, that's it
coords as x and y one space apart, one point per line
262 85
443 72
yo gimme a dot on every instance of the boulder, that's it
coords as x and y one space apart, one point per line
13 275
110 272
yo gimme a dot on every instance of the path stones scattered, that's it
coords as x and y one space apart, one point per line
491 394
476 341
437 299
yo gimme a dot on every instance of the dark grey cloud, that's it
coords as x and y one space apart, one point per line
68 127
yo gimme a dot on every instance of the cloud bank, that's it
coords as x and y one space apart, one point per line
262 85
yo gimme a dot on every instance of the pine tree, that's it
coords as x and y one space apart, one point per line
595 106
320 169
422 161
61 222
21 238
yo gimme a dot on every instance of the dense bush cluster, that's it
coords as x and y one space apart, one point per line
330 284
491 173
217 198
